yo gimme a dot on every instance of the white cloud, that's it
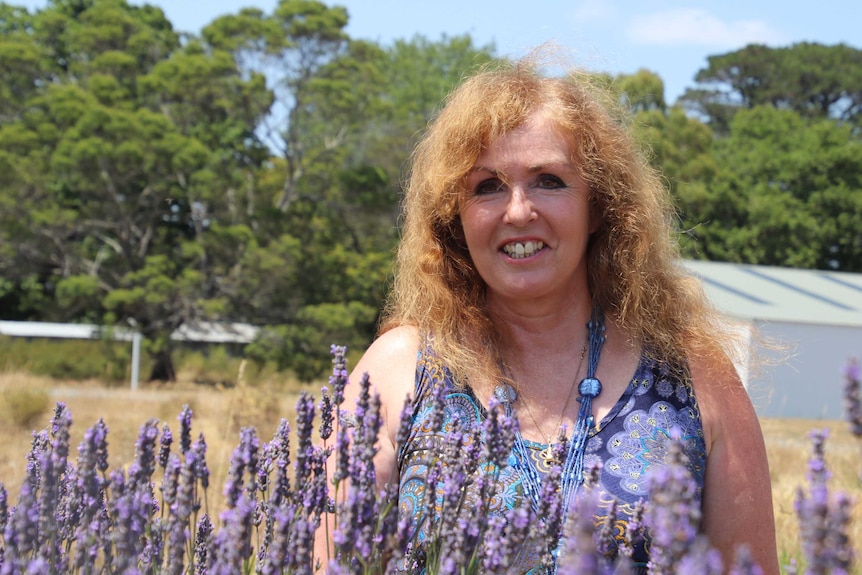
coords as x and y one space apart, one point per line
692 26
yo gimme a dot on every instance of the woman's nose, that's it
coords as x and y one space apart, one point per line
519 209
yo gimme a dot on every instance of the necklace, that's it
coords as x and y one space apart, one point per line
547 454
572 475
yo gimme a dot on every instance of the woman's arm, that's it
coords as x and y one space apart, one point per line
737 495
390 363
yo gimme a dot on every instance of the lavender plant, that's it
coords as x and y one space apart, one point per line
79 517
853 399
823 517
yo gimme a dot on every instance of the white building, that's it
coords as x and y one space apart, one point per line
816 314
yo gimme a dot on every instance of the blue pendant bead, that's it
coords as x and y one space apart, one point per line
589 387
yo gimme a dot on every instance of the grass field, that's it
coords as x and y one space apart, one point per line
219 413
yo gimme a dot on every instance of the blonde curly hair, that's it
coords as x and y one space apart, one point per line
634 267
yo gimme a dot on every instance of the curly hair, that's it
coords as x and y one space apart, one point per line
634 267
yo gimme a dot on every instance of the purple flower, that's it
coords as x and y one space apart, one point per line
4 508
276 557
673 512
743 563
181 509
634 530
202 541
304 427
21 535
325 414
232 545
202 472
338 379
165 445
580 554
852 399
53 464
280 454
823 519
170 480
131 507
342 450
185 419
503 539
700 559
141 471
244 460
86 499
405 423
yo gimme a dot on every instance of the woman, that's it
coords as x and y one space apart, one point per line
537 252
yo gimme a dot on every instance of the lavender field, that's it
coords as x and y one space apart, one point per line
170 477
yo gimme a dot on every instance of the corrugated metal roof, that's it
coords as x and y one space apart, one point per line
62 330
782 294
206 332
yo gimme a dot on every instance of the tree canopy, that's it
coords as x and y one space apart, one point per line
251 173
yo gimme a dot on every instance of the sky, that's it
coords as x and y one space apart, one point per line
672 38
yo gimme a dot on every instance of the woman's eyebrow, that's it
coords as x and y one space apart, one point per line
475 169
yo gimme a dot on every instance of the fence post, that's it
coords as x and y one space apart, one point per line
136 359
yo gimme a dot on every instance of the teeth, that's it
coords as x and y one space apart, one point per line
520 250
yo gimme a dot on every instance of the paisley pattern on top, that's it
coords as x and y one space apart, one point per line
629 442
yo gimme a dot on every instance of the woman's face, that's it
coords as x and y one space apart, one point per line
526 216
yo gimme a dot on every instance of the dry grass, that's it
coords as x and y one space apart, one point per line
219 413
788 448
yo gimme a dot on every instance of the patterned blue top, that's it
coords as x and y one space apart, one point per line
628 442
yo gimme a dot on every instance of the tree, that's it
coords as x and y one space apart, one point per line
786 192
360 115
814 80
247 175
642 91
121 158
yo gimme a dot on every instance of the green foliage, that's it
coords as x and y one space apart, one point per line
249 174
23 405
814 80
209 364
252 174
105 360
302 346
786 192
643 91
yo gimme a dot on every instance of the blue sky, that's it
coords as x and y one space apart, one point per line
670 37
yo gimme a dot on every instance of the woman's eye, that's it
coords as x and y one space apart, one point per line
488 186
548 181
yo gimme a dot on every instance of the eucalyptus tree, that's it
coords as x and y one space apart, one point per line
785 191
814 80
122 146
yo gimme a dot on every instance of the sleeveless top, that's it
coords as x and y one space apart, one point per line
629 441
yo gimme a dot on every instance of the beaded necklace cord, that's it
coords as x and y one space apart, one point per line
573 467
548 452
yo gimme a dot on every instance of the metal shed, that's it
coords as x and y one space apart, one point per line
816 315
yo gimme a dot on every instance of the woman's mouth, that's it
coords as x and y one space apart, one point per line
518 250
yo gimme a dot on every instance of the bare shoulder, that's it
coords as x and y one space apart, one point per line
723 401
390 362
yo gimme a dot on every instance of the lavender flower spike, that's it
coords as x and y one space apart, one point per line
165 445
823 520
852 399
338 379
673 513
185 418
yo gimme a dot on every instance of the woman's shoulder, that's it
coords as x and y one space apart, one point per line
723 401
390 361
